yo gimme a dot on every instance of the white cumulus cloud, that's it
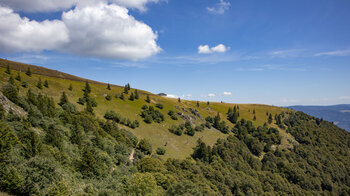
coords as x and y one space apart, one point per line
219 8
138 4
96 30
58 5
109 31
38 5
205 49
22 34
227 93
211 95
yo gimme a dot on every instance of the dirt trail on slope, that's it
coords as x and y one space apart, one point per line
131 157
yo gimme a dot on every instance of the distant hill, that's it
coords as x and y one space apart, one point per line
338 114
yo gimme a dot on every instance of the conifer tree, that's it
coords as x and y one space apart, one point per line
29 72
179 100
11 80
8 70
63 99
18 77
208 103
122 96
148 100
108 86
269 119
128 86
39 84
197 103
87 88
70 87
136 94
46 84
253 111
254 118
132 97
126 90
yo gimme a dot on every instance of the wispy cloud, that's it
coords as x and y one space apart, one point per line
211 95
334 53
227 93
219 8
286 53
272 68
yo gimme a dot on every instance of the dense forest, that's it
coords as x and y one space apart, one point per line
49 148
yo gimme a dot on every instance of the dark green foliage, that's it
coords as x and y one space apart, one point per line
108 87
208 103
108 97
217 123
46 84
254 118
39 84
185 128
149 114
18 77
161 151
70 88
24 84
172 115
11 81
63 99
233 114
148 100
189 129
136 94
8 70
111 115
132 97
197 103
122 96
145 146
11 92
269 120
177 130
126 89
159 105
2 112
179 100
29 72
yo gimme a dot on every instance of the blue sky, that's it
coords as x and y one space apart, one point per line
240 51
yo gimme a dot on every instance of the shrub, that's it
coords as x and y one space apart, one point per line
161 151
145 146
159 105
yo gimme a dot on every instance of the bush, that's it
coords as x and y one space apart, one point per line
112 115
149 114
159 105
108 97
161 151
145 146
172 115
24 84
11 92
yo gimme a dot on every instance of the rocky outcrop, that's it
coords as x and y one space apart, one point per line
9 105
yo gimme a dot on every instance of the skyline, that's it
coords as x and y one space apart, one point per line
276 53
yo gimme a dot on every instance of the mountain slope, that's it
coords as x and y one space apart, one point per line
176 146
339 114
57 146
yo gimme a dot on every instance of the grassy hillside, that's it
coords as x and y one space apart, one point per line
176 146
53 146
